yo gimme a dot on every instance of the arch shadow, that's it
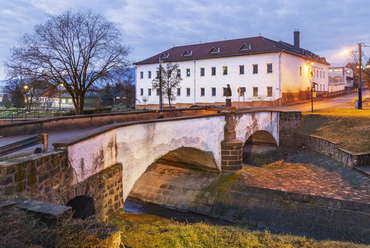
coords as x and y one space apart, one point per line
82 206
260 143
191 158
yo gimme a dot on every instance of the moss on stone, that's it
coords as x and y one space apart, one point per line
20 187
56 160
20 175
10 170
32 179
22 166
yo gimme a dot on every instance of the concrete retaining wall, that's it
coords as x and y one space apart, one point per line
90 121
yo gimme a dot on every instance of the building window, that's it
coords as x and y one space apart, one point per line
255 69
141 91
241 69
269 68
269 91
178 91
179 72
255 91
187 91
213 91
157 92
188 72
213 71
224 70
202 91
320 74
323 75
202 72
149 92
141 74
149 74
300 71
157 74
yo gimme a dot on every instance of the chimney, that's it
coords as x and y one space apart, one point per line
296 38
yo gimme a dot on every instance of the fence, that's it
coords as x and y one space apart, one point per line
19 145
22 114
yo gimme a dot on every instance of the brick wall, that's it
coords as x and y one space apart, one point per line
288 121
231 155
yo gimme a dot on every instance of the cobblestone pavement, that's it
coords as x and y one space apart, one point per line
309 172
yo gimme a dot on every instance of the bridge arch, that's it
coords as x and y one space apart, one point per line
261 137
189 157
83 206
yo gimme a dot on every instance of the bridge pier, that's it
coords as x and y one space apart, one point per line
231 148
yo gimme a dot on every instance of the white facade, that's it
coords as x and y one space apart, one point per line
289 73
340 77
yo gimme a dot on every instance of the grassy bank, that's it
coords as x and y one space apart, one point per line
350 128
149 231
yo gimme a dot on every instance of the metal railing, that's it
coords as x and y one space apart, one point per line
22 144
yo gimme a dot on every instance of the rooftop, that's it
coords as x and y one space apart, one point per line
227 48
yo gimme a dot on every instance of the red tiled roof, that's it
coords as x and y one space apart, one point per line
227 48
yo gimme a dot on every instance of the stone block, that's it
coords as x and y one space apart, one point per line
6 180
20 175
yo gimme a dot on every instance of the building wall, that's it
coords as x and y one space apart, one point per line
285 74
339 78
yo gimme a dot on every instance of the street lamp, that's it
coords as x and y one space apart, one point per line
25 88
311 73
360 45
60 96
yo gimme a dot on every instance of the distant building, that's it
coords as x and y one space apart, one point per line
340 77
260 71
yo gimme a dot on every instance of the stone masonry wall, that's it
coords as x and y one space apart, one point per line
222 196
330 149
48 177
288 121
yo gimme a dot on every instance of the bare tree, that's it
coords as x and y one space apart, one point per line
170 80
124 86
75 49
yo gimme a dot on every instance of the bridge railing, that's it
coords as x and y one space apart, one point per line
22 144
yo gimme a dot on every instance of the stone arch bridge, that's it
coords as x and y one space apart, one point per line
105 163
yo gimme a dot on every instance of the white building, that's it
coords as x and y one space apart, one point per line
270 73
340 77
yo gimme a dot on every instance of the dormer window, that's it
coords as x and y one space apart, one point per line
165 56
215 50
245 47
187 53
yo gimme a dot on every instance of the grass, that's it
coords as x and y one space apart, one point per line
350 128
19 229
168 233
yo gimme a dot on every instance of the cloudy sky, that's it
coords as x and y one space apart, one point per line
327 27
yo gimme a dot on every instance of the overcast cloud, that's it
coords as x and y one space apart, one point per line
149 27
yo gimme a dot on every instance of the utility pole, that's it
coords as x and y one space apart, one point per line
359 106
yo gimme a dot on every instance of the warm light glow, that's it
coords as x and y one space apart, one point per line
61 85
25 87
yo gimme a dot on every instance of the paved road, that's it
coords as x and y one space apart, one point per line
336 102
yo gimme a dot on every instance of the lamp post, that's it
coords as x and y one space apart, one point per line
360 45
359 106
25 88
60 97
